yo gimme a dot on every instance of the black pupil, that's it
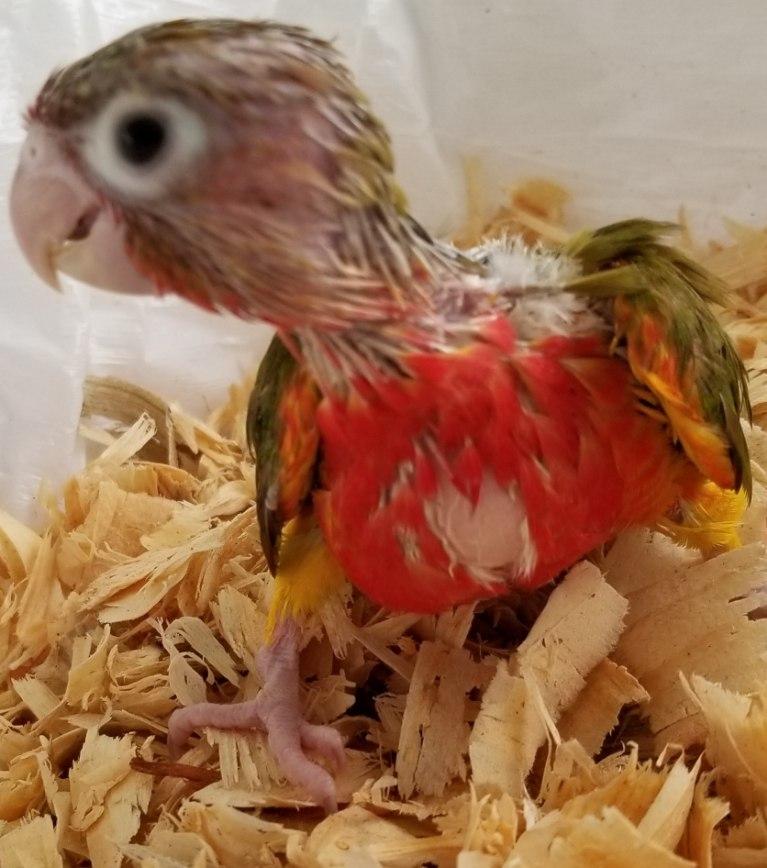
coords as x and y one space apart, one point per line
140 138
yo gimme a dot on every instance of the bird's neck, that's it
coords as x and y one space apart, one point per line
340 359
378 266
387 289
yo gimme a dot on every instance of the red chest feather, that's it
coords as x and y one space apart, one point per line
490 466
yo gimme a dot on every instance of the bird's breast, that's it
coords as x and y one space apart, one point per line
494 466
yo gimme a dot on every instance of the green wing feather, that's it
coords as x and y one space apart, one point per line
653 284
279 378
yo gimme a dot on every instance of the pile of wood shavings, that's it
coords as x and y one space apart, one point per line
617 719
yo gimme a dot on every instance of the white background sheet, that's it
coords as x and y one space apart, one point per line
637 106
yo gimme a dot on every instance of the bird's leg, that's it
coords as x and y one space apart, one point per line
277 711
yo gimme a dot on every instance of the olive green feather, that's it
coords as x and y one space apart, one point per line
277 368
628 259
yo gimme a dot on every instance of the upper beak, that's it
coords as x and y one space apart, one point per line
50 204
61 226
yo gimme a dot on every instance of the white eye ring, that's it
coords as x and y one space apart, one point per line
173 136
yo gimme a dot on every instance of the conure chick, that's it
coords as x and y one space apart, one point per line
434 426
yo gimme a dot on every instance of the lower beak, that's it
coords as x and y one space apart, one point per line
50 204
61 226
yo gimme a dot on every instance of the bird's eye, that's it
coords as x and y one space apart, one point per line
142 146
141 138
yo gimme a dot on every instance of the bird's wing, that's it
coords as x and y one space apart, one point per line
282 433
676 347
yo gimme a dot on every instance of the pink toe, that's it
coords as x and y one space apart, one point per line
325 741
301 771
184 721
179 731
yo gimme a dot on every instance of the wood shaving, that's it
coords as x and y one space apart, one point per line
608 689
736 735
691 616
434 735
616 719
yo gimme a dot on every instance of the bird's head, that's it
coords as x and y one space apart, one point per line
233 163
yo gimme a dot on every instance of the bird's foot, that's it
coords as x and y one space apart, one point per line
277 711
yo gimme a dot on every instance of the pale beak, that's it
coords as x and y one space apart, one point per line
60 224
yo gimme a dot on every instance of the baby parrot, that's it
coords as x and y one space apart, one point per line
435 426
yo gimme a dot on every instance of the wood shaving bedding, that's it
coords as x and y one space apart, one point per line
625 725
